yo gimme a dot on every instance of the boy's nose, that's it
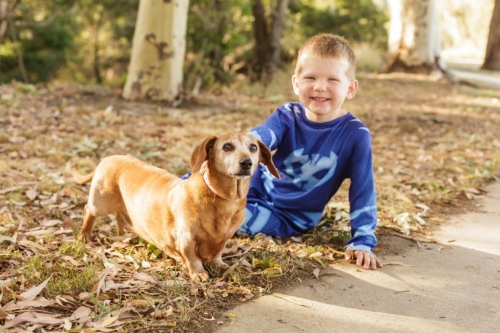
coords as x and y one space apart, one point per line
319 85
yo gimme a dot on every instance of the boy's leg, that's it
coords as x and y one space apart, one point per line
268 221
256 218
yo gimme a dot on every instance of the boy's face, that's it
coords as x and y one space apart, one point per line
322 87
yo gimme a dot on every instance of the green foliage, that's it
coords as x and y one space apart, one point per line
356 20
44 45
90 41
218 33
104 41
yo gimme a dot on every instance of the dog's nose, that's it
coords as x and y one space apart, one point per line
246 163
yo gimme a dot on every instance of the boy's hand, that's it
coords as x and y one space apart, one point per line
363 258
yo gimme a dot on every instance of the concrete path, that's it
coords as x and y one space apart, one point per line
485 79
469 70
449 287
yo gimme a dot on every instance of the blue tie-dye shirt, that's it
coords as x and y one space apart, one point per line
313 160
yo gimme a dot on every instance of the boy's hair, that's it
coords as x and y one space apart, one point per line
328 46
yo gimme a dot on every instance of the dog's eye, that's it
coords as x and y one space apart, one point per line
227 147
253 148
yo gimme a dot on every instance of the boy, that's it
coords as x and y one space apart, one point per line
318 145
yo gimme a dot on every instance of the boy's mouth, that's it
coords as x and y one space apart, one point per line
319 99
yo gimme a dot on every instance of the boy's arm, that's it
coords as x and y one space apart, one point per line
362 199
272 130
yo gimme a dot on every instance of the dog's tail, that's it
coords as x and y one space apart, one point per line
82 179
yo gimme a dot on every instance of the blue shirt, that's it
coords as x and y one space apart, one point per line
313 160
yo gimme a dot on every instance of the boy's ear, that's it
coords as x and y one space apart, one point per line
353 87
295 84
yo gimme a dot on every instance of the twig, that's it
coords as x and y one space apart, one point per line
416 238
286 298
396 264
10 189
402 291
20 58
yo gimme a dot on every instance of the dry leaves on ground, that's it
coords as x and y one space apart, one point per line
435 147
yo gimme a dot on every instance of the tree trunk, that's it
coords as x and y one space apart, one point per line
277 26
96 62
414 43
267 40
3 19
492 56
157 61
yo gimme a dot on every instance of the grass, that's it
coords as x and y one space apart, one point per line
64 278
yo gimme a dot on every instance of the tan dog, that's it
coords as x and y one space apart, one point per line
191 220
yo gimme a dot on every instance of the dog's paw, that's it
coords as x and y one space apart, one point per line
222 265
85 237
217 262
200 277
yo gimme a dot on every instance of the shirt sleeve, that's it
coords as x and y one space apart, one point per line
272 130
362 195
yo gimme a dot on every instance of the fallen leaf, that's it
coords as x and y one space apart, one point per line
32 194
33 318
33 292
32 245
108 321
51 223
142 276
38 302
82 312
3 314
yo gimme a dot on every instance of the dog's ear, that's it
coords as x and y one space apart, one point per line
267 159
201 153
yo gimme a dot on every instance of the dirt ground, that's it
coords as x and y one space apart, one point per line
436 146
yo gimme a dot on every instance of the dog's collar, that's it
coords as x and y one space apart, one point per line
203 169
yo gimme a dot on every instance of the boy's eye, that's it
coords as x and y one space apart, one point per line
227 147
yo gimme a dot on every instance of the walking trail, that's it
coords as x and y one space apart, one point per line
450 286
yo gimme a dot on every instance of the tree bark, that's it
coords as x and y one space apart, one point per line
414 43
267 37
492 56
96 63
3 19
157 61
5 13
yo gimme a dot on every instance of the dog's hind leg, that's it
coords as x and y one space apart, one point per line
87 225
123 222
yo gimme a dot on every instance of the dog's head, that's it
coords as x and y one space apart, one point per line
236 155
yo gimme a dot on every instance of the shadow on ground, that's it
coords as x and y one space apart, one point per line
450 286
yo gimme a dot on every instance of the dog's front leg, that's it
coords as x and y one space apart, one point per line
217 261
193 262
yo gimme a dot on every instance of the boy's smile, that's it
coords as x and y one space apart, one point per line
322 87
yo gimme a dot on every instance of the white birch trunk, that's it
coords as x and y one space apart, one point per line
414 43
3 18
158 49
